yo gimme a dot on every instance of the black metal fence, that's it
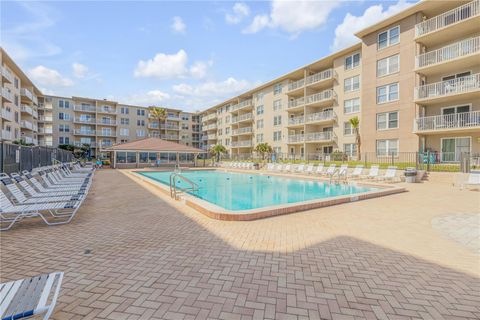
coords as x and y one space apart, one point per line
428 161
16 158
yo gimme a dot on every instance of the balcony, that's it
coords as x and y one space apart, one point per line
85 120
30 140
173 117
153 125
26 109
211 116
318 79
169 127
244 104
45 130
468 86
103 133
211 137
170 137
296 121
296 86
26 94
24 124
320 99
107 122
461 20
325 116
242 144
7 94
212 126
83 132
459 55
296 138
106 110
242 131
7 75
80 144
45 118
326 136
7 135
243 117
7 115
296 104
103 144
35 114
457 122
84 108
204 138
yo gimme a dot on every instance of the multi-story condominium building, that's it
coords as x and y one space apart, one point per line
413 81
19 113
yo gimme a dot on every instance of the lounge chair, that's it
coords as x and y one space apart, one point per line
279 167
287 168
343 170
319 169
30 297
372 173
41 188
390 175
330 170
270 166
52 195
472 181
357 172
309 169
300 168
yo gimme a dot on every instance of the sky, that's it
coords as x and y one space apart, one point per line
181 54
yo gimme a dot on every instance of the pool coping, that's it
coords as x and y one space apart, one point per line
216 212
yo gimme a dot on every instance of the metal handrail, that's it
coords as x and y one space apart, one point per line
339 175
174 187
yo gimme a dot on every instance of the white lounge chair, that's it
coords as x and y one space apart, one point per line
300 168
357 172
279 167
309 169
30 297
330 169
343 170
372 173
472 181
270 166
31 192
319 169
390 174
41 188
287 168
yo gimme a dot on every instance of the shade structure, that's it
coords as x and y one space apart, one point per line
151 152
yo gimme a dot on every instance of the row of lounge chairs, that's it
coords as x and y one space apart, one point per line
53 193
239 165
320 170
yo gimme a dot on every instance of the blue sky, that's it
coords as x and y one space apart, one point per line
189 54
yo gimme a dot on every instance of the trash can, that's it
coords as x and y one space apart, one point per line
256 165
410 175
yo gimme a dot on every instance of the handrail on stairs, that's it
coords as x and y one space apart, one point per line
174 188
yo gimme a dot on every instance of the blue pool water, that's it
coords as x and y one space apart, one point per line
244 191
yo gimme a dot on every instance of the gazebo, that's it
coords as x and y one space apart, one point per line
150 152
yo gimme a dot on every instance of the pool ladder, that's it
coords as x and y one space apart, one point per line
175 190
338 177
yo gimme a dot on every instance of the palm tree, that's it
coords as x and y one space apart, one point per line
218 150
158 113
355 123
263 149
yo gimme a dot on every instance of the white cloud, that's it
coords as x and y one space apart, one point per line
79 70
171 66
293 17
212 88
49 77
178 26
239 11
152 97
344 33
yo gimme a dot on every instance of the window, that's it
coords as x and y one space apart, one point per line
259 97
260 138
185 117
17 117
260 110
352 61
277 105
277 120
220 132
347 128
277 135
124 110
60 103
219 121
184 126
388 38
140 112
351 105
16 82
140 133
387 147
63 140
260 124
350 149
387 93
124 131
227 141
64 128
227 119
124 121
351 84
452 148
388 66
277 89
277 150
387 120
141 123
16 100
64 116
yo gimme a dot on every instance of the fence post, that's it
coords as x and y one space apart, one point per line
428 161
417 157
365 159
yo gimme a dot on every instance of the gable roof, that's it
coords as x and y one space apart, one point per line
153 144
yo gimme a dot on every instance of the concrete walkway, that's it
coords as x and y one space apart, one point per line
131 253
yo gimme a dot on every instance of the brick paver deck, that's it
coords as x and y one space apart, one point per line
153 258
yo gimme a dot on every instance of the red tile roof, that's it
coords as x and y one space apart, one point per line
153 144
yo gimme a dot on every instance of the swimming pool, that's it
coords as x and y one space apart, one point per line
247 191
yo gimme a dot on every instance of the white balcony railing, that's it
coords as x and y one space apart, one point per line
243 117
26 124
449 87
211 137
296 138
169 127
242 130
243 143
296 102
320 136
7 115
209 117
296 120
170 137
45 118
26 109
105 133
110 122
7 135
243 104
448 121
320 116
453 51
26 93
85 120
7 94
296 84
84 107
80 144
173 117
85 132
106 110
212 126
321 96
7 74
320 76
445 19
35 114
45 130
